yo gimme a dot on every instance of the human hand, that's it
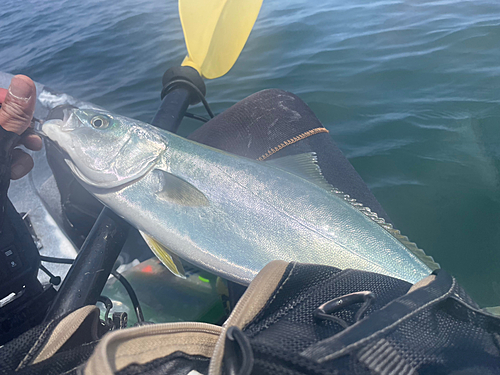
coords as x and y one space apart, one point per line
18 106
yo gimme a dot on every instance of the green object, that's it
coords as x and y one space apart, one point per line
165 297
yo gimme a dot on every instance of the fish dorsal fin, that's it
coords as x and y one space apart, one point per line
178 191
169 260
303 165
411 246
306 166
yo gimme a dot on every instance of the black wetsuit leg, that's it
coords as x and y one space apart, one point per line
275 123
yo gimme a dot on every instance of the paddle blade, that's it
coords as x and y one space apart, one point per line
215 32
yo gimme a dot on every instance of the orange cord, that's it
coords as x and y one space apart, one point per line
291 141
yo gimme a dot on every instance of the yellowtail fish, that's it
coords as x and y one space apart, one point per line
224 213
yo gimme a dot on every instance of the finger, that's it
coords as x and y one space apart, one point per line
22 163
19 105
31 140
3 93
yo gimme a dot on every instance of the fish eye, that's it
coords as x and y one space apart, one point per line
99 122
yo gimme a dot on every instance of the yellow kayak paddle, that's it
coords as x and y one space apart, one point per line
215 32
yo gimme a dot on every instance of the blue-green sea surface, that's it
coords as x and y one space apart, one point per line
409 89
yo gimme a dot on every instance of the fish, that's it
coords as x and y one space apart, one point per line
224 213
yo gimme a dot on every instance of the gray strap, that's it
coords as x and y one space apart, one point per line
249 305
144 344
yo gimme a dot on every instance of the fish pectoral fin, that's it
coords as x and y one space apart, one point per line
303 165
181 192
169 260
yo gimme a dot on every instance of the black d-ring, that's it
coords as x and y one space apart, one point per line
325 310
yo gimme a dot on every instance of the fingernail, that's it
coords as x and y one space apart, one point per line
17 171
20 89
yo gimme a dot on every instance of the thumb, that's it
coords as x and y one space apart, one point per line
19 104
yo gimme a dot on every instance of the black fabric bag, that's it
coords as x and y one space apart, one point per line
435 328
304 319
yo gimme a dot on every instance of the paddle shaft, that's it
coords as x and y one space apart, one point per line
90 271
172 109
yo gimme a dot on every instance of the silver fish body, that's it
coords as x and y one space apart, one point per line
223 213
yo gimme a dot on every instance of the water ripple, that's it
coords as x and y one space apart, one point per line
408 89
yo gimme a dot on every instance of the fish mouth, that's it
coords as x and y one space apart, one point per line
60 117
58 124
60 112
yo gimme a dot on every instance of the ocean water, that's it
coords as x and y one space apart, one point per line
409 89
